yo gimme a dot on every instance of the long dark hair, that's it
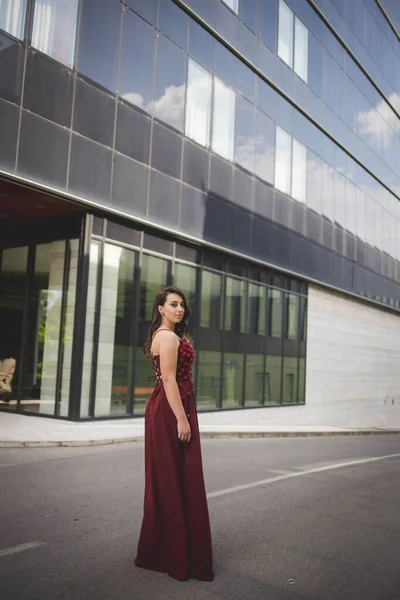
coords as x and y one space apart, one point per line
180 328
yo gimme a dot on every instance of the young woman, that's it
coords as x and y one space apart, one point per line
175 537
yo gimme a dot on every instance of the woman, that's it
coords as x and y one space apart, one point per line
175 537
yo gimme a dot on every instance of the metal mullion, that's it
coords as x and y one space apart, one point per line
197 326
242 400
264 343
283 326
60 356
134 333
30 269
222 339
96 333
79 329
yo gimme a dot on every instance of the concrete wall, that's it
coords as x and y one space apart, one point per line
353 369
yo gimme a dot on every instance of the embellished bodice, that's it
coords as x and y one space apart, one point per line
184 365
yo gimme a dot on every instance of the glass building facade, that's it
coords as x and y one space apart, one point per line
236 148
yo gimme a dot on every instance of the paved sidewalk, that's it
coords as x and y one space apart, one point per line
18 431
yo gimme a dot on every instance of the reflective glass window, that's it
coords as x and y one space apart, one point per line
99 41
153 277
283 159
201 44
340 199
185 280
54 29
12 17
137 61
169 95
315 173
275 313
173 22
265 147
223 134
233 4
292 318
115 348
198 104
361 225
245 134
300 49
235 305
299 171
250 16
256 320
285 39
246 81
209 355
226 65
266 98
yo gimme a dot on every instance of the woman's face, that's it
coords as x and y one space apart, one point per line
173 308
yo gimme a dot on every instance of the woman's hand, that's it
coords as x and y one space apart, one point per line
184 432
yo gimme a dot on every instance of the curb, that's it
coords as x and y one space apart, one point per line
204 435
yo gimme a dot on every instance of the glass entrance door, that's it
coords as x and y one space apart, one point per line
13 277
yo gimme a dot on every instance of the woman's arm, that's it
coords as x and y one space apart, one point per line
168 362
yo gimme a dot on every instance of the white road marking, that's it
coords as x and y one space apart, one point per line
20 548
341 465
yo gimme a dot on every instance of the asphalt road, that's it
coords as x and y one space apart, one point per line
315 519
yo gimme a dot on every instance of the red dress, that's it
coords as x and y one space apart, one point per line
175 537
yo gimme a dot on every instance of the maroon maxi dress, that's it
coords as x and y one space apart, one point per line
175 537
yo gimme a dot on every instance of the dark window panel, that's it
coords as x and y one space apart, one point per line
48 89
138 52
169 96
260 239
246 82
193 211
9 115
221 178
284 113
205 9
248 44
281 209
130 184
227 24
90 170
173 22
43 150
187 253
245 144
267 61
94 113
133 133
327 234
157 244
268 22
265 147
166 154
121 233
298 217
148 9
249 14
242 223
339 239
350 246
164 200
315 65
313 226
195 166
266 98
285 78
226 65
244 189
218 222
99 41
264 200
201 44
11 68
98 224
